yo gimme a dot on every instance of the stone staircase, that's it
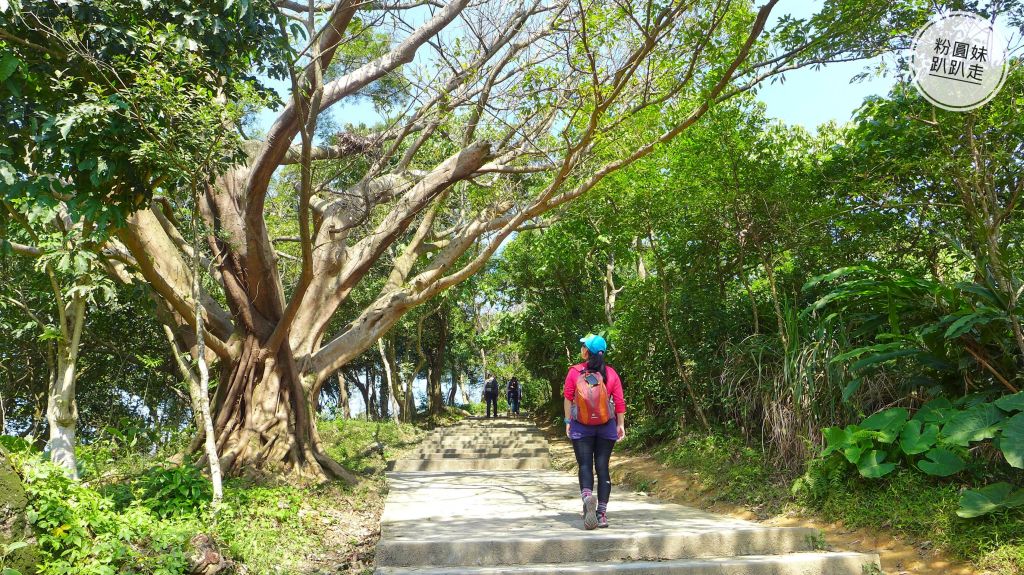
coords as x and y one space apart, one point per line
476 444
479 498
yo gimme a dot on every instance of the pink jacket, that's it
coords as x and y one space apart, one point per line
614 385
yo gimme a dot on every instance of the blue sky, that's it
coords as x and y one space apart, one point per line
811 97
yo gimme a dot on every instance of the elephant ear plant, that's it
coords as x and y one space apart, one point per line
937 440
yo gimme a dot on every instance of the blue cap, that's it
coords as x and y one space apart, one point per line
594 343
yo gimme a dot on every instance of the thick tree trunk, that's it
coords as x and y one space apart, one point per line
266 423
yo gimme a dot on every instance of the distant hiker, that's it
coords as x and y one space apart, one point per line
514 396
491 393
594 420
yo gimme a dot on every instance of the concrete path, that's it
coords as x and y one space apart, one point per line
476 512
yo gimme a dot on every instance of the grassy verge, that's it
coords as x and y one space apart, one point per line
135 514
907 503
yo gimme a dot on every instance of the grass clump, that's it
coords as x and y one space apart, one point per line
729 469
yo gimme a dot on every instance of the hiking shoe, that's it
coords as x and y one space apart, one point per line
590 512
602 520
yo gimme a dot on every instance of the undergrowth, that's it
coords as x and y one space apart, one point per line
133 514
908 503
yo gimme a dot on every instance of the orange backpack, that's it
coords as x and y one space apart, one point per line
592 404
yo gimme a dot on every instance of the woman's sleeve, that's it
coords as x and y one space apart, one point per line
569 391
620 400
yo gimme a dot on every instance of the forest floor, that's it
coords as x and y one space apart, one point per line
641 472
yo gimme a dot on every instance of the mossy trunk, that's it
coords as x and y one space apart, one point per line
13 526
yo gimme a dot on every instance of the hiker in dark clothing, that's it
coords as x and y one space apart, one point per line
514 395
491 393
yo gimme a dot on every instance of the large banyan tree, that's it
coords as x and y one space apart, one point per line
494 114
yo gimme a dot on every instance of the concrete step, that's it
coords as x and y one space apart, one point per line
516 517
486 432
496 454
434 451
452 444
792 564
485 464
512 548
484 441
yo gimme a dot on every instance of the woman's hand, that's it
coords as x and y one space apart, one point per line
567 430
621 431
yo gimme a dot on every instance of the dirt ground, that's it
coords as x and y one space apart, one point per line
899 556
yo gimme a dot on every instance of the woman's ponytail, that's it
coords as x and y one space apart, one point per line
595 362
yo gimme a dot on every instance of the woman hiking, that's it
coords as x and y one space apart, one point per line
595 414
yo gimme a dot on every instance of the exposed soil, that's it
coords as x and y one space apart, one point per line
347 531
899 556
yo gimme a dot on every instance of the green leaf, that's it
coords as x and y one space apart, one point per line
851 388
966 323
975 424
939 410
8 64
870 464
887 423
836 439
1014 402
913 441
1011 441
882 358
10 571
941 462
854 453
978 502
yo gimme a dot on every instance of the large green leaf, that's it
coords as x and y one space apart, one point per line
1014 402
871 464
853 453
8 64
978 502
1011 441
836 439
975 424
887 423
913 440
939 410
941 462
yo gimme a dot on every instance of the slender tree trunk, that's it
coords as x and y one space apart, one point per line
453 380
343 396
365 393
464 387
385 399
204 374
62 407
393 375
683 375
436 396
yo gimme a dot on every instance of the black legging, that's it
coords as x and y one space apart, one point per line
491 399
594 452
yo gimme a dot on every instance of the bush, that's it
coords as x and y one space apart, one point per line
914 505
82 531
173 491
